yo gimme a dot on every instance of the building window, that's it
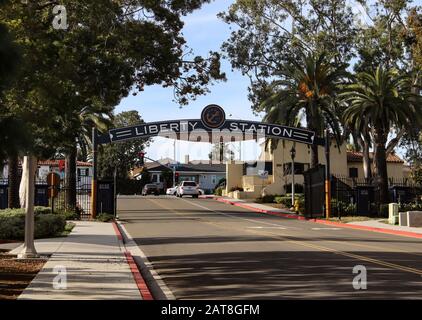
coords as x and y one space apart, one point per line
353 172
300 168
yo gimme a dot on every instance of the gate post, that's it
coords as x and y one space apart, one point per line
327 176
94 173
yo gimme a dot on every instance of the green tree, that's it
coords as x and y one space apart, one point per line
123 156
309 86
382 99
12 133
108 48
269 34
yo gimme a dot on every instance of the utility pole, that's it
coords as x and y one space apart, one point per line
28 250
115 191
174 165
293 155
94 173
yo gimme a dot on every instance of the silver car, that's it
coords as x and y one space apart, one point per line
188 188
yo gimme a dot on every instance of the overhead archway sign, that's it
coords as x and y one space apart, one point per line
213 122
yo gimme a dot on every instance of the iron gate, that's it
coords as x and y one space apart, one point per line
4 196
105 197
314 192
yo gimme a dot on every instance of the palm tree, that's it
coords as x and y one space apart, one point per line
87 118
308 86
381 99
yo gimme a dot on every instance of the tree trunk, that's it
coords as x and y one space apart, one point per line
364 145
314 155
23 188
380 165
13 173
70 178
314 147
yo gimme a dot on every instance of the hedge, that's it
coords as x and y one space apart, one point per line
47 225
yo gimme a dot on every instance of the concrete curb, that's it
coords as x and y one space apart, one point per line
320 221
139 280
156 285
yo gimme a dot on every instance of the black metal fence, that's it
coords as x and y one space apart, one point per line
58 203
314 188
352 196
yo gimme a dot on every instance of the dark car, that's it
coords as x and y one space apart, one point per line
150 189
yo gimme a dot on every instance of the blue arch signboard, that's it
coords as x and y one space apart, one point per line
213 123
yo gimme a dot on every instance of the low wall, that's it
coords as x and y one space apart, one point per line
410 219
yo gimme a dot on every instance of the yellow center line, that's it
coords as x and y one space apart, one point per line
287 238
393 249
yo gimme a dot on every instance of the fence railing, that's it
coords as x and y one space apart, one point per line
83 195
352 196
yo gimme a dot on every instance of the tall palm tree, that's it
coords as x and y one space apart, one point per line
308 85
381 99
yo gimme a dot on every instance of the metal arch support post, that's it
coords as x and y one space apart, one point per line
94 173
327 176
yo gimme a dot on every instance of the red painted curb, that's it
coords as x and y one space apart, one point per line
118 233
320 221
140 282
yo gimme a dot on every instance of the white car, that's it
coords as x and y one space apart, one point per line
171 191
188 188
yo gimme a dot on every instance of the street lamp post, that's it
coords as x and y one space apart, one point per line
293 155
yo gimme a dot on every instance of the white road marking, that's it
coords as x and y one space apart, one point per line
282 228
246 219
326 228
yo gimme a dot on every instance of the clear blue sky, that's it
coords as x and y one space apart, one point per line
203 32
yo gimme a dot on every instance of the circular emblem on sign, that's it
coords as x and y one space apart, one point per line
213 116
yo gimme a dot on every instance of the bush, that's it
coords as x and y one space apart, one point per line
12 224
350 209
219 191
105 217
68 215
404 207
42 210
49 225
236 189
284 200
266 199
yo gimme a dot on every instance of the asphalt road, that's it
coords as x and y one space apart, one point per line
204 249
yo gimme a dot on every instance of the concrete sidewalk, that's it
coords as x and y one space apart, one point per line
379 224
95 264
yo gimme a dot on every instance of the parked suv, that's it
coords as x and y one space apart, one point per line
150 189
188 188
